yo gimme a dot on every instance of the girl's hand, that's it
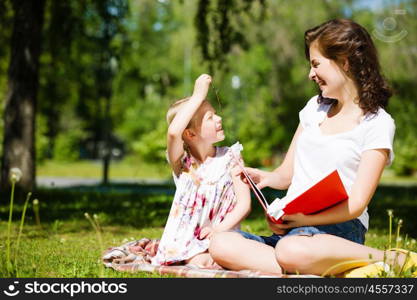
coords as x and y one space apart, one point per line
261 178
206 233
201 86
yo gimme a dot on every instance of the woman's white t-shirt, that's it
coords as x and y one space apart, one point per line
317 154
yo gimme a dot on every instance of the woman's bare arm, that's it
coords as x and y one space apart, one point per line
281 177
369 173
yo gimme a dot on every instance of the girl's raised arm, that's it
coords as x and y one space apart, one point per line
182 119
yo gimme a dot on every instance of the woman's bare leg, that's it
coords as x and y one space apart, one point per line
317 254
232 251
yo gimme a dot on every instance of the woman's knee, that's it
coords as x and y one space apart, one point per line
293 254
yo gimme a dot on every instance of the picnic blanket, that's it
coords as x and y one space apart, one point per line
135 256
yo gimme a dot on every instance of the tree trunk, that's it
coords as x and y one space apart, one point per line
106 136
20 102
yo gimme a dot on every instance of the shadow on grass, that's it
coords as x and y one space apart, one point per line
120 204
149 205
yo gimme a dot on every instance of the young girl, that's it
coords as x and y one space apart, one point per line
345 127
210 196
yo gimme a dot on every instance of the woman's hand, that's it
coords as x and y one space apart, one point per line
296 220
236 174
261 178
236 171
276 228
290 221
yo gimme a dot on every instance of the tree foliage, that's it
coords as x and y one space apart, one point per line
118 64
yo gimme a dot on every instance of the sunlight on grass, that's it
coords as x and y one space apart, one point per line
389 177
70 251
66 245
128 168
69 248
133 167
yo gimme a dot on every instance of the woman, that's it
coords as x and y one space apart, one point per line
345 127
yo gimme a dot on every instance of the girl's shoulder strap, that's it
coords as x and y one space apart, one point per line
233 152
236 148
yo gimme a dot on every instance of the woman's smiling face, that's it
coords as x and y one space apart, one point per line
326 73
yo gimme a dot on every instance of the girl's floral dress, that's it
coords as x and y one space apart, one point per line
204 196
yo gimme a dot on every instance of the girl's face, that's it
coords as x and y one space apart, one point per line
326 73
210 129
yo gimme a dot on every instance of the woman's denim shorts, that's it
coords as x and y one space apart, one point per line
351 230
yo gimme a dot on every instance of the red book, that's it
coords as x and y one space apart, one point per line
323 194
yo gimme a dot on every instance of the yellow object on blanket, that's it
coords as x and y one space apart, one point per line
378 268
372 270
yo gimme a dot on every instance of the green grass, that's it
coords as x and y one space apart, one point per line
132 167
66 245
389 177
66 249
127 168
70 249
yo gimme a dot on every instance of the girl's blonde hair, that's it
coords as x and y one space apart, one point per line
172 112
174 109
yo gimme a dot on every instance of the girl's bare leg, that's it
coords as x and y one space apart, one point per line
317 254
232 251
203 260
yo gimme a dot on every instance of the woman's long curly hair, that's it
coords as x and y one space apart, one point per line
341 40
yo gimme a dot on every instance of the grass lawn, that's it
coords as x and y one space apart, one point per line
67 246
136 168
71 249
127 168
